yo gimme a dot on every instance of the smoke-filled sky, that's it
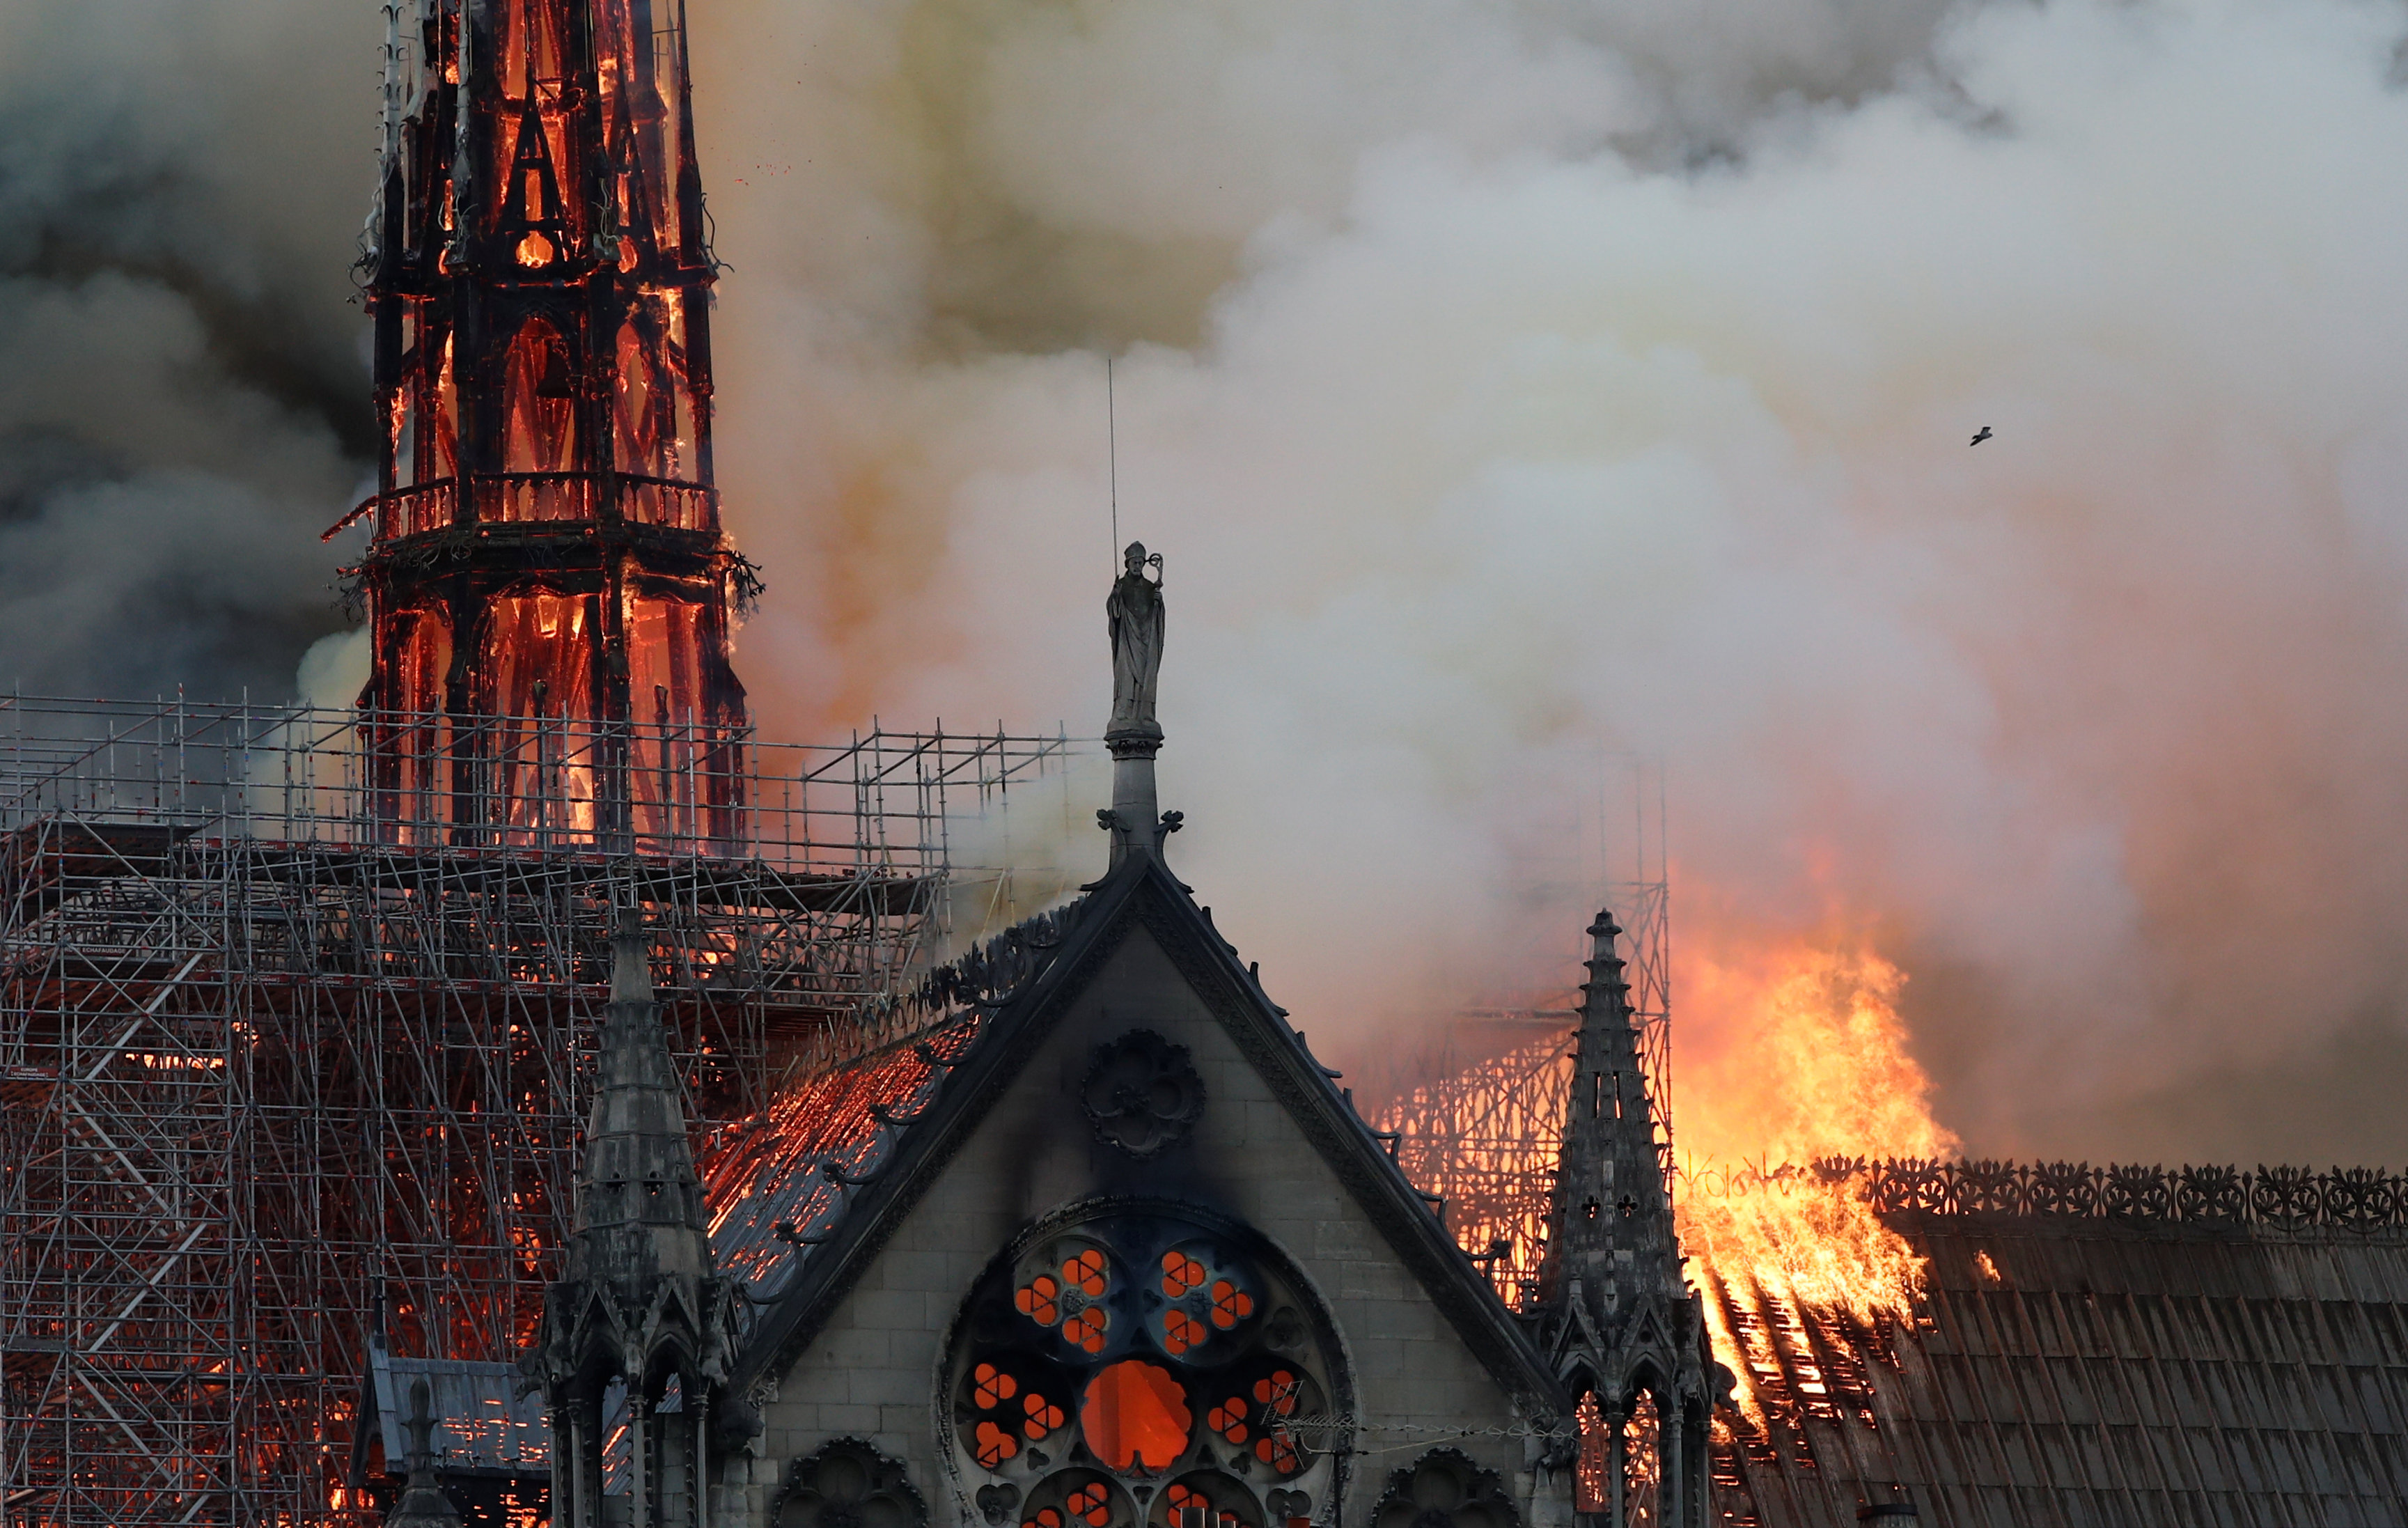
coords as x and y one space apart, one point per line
1504 380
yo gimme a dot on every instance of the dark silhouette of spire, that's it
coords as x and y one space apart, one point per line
642 1305
1615 1318
639 1211
1611 1229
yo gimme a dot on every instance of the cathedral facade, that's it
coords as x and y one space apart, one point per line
1109 1246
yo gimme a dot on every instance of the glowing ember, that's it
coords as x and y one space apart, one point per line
1791 1054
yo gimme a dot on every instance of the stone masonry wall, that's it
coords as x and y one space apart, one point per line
874 1371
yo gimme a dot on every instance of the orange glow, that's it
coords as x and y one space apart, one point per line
1086 1331
1180 1332
993 1385
1180 1273
1086 1273
1639 1480
1594 1458
1192 1508
1792 1051
1803 1058
1135 1416
1035 1301
1228 1419
993 1446
1043 1417
1275 1398
1230 1305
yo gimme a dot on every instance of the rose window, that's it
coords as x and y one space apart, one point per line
1142 1369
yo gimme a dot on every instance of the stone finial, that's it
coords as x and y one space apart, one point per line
423 1503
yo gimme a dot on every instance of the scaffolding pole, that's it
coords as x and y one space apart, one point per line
292 1050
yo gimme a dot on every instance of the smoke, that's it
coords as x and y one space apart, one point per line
183 405
1503 379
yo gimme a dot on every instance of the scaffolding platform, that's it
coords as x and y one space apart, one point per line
294 1011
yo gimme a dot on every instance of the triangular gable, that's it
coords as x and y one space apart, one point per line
1142 893
483 1424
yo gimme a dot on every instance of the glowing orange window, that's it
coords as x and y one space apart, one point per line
992 1444
1043 1417
1181 1273
1276 1395
1184 1501
1086 1273
1091 1505
1086 1331
1278 1392
1230 1305
1135 1416
1228 1419
993 1385
1180 1332
1046 1517
1036 1300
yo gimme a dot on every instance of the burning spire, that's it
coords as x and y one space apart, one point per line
549 589
1616 1319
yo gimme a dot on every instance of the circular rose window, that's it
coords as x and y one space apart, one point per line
1155 1367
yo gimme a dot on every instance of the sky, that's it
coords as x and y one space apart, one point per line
1507 384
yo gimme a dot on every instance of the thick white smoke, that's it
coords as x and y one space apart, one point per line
1502 379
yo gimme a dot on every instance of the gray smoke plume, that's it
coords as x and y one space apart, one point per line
1504 380
183 401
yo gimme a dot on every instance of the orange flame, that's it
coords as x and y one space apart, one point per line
1791 1052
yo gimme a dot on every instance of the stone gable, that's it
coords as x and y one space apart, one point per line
873 1370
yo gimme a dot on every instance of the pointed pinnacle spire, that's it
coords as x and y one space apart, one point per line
1611 1229
640 1214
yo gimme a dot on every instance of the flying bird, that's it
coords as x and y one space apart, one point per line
1979 439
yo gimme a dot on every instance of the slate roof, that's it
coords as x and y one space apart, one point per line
2077 1367
483 1426
777 1181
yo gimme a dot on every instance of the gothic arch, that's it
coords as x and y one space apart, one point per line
847 1484
1445 1487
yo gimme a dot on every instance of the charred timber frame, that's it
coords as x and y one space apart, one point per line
545 535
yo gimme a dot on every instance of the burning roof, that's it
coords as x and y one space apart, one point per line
777 1181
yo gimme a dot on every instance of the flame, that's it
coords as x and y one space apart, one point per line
1791 1051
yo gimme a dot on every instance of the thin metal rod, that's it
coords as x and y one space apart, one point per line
1112 449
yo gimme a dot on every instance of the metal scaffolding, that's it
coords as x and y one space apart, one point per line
1477 1107
288 1056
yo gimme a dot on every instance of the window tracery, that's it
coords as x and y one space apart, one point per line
1445 1487
1141 1094
848 1484
1142 1368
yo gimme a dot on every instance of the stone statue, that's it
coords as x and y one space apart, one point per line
1135 608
